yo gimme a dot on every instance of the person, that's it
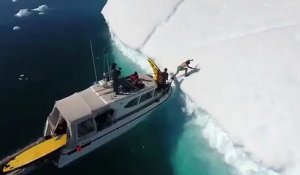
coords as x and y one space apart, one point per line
183 66
164 77
136 81
134 77
115 73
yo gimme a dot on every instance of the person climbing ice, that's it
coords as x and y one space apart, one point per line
183 66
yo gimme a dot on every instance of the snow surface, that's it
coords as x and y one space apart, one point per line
249 57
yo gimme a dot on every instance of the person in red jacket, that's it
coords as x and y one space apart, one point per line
136 81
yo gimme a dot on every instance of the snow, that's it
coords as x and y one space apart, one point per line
248 54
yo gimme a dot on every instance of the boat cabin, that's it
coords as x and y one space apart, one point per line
93 110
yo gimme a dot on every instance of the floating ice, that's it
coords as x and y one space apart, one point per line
16 28
41 9
22 13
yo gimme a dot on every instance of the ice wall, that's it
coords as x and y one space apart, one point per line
249 55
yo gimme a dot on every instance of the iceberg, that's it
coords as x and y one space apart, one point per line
249 80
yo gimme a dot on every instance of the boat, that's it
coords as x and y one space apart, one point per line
89 119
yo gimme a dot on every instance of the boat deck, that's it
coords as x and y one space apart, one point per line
106 94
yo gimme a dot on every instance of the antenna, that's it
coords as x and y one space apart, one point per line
107 64
93 60
104 64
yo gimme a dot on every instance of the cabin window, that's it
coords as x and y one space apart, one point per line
146 96
104 119
133 102
86 127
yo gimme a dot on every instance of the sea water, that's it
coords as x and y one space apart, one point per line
49 58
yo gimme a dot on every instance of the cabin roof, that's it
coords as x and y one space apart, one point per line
82 104
79 105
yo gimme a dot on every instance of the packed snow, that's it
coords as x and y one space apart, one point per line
248 54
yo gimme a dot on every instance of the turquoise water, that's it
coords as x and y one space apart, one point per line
52 51
194 156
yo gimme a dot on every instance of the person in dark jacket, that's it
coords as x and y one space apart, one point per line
115 73
164 77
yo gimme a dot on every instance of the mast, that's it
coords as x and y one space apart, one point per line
95 71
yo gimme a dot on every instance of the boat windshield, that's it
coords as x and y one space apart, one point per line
54 116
